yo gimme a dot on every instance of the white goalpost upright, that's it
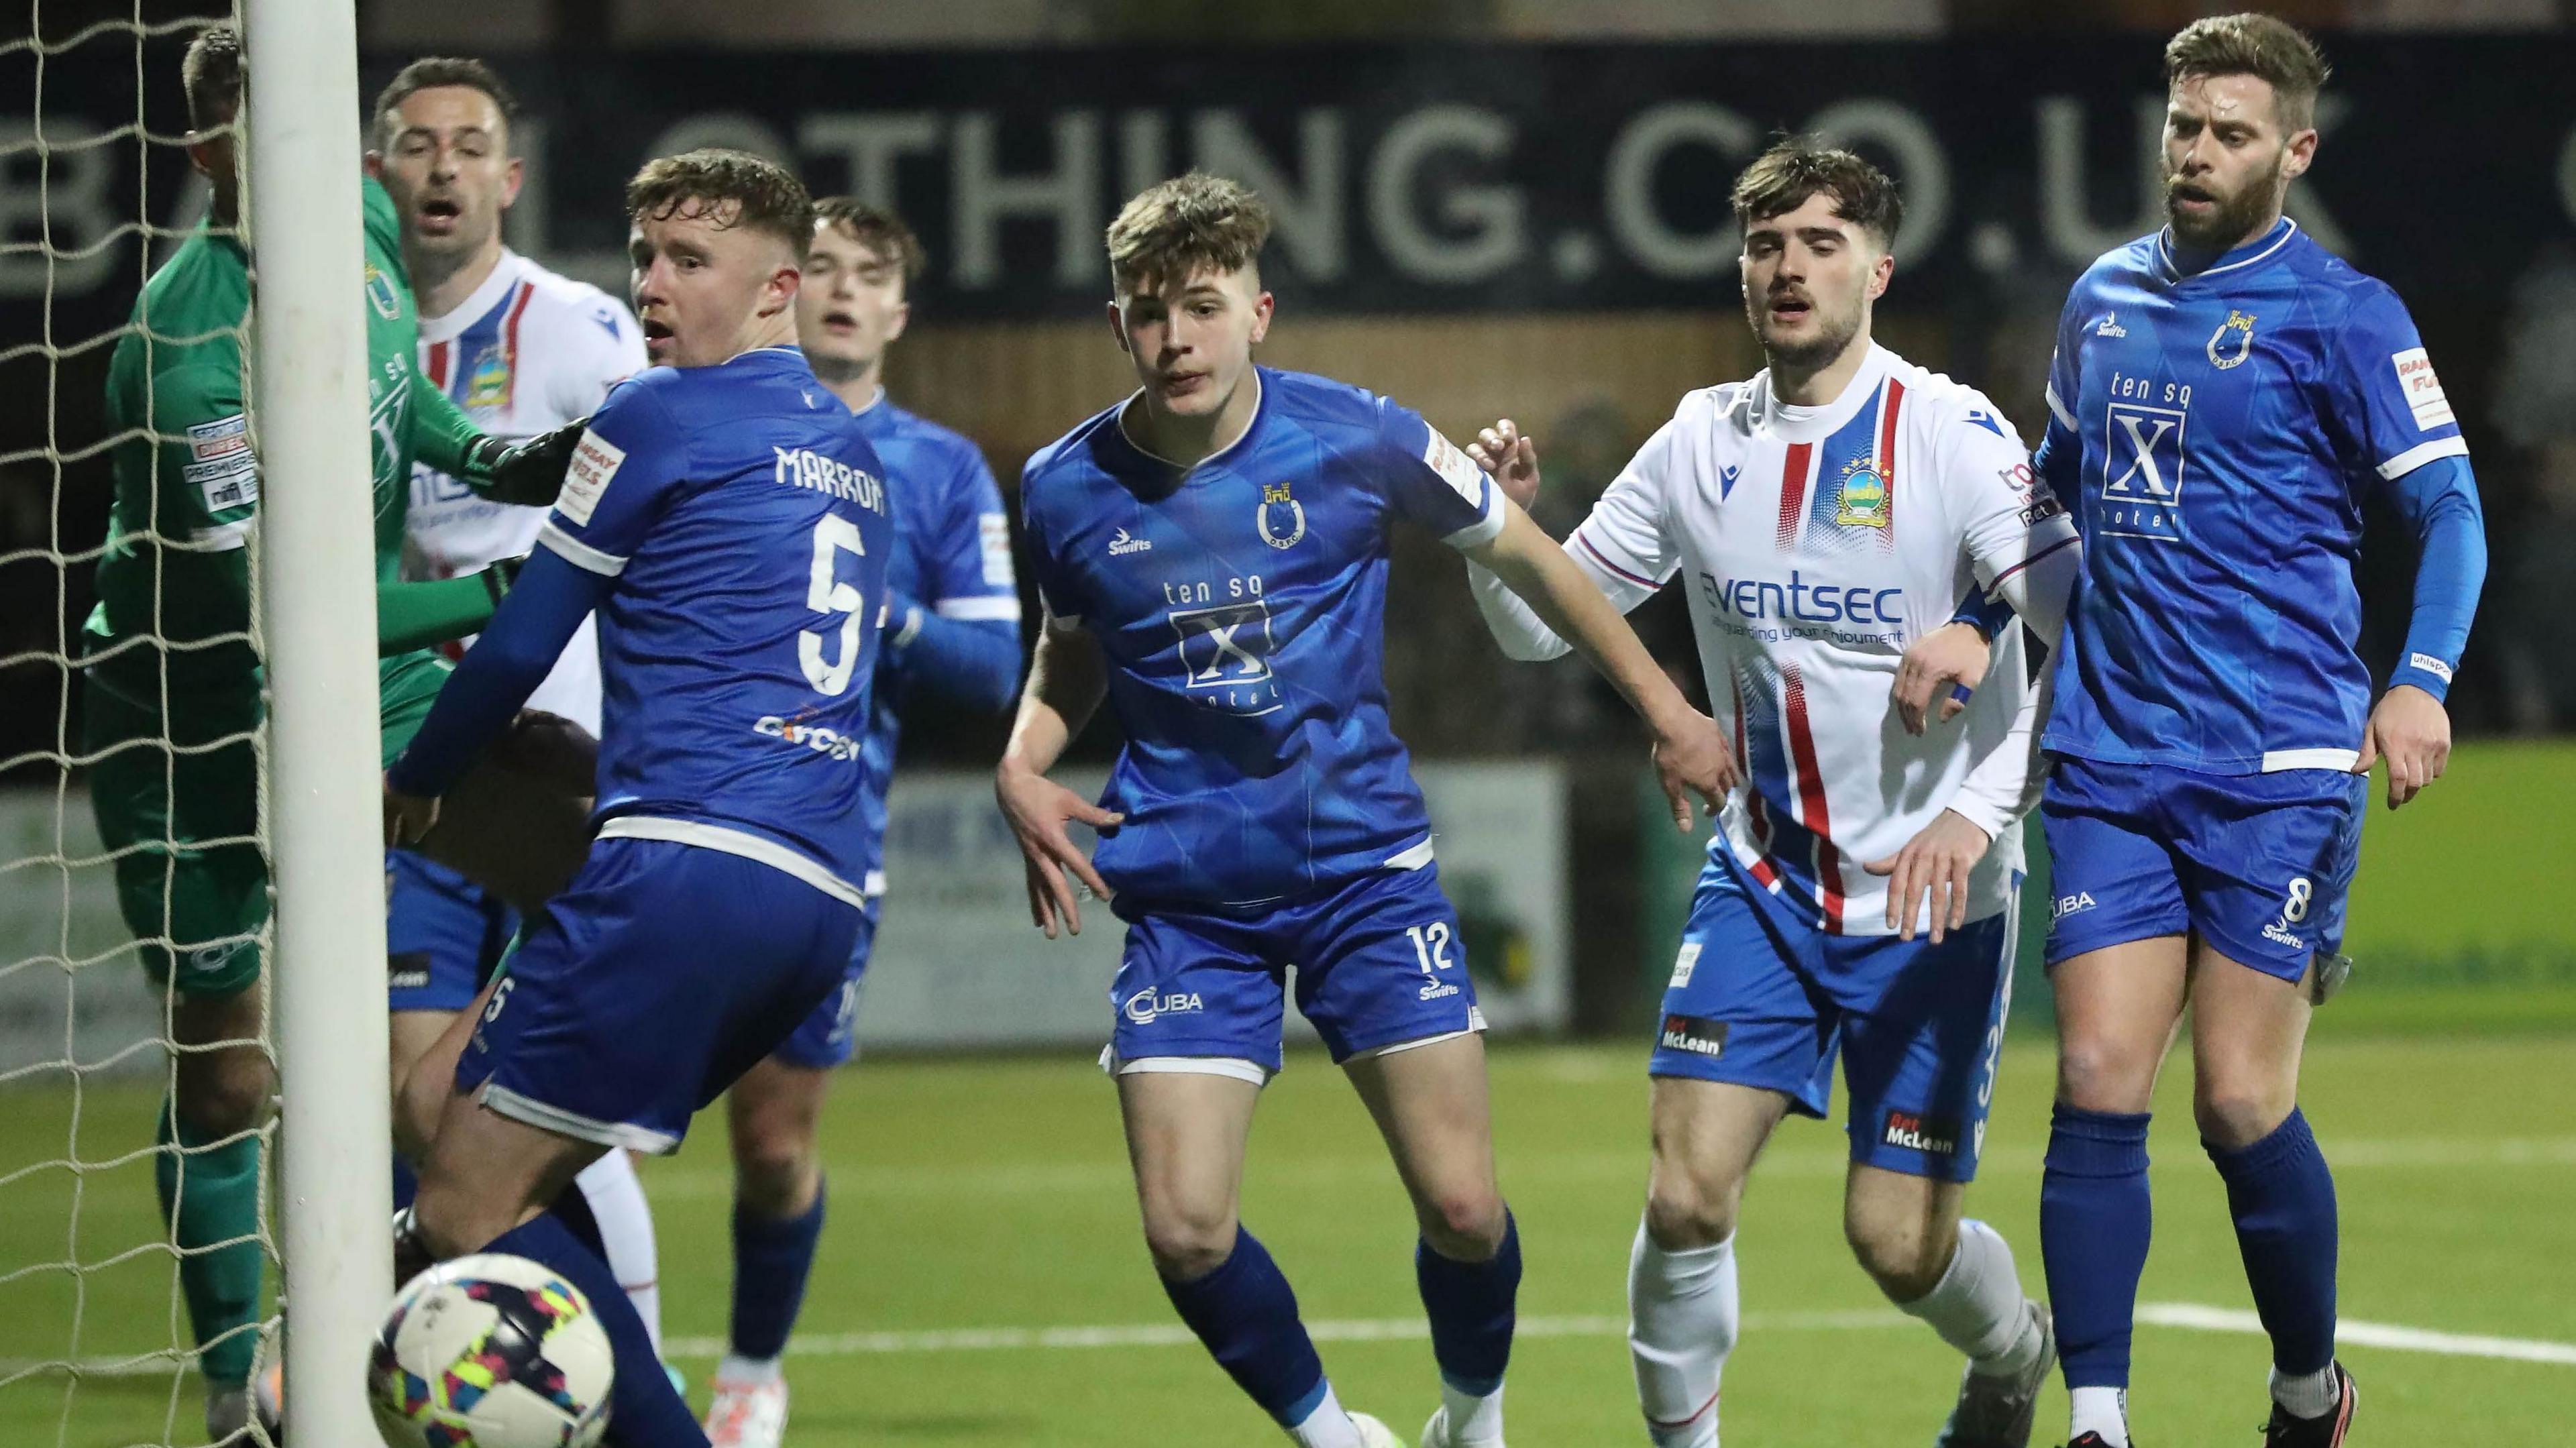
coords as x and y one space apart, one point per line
317 614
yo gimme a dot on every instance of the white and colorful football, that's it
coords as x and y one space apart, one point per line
491 1352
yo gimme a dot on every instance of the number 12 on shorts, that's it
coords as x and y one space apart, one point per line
1431 951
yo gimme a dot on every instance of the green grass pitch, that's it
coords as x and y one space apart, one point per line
973 1195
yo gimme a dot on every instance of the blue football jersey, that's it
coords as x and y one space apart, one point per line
743 514
2214 433
952 555
1241 607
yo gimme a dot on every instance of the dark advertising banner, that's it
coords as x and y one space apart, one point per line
1406 178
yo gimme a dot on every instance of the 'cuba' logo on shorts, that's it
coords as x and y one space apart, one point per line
1919 1133
1694 1034
2065 905
1147 1005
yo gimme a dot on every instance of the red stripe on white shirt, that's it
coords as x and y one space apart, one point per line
1793 490
510 342
1893 402
1604 560
1812 811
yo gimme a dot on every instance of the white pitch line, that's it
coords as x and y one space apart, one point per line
2185 1316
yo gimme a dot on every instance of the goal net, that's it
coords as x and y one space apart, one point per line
140 1257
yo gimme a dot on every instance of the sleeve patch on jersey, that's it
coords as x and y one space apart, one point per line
1455 468
2430 665
994 531
220 438
2423 390
595 460
227 483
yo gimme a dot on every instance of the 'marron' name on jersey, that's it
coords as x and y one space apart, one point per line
1240 605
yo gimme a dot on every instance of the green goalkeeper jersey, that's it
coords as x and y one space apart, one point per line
187 480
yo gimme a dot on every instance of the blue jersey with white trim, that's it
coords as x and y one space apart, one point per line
742 514
1240 605
952 555
2214 432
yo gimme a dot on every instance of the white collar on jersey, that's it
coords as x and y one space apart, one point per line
2253 251
508 272
1260 398
864 408
1811 424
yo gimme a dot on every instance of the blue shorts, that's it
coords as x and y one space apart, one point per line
1761 997
444 935
2258 865
829 1037
659 976
1378 962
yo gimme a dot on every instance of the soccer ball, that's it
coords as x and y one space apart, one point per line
490 1352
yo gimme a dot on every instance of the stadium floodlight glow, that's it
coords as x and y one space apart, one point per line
316 608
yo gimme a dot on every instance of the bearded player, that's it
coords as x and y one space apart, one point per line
952 634
2225 395
1861 894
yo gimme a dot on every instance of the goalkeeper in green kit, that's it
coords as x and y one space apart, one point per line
172 697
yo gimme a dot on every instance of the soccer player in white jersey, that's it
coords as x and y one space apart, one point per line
523 351
1860 894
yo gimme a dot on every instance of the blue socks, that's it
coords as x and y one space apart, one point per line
771 1260
2283 1200
2094 1221
645 1411
1471 1312
1246 1313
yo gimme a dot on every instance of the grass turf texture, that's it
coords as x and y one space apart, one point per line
994 1194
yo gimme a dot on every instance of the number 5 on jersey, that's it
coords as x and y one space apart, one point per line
824 594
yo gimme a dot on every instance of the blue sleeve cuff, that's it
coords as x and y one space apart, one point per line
1988 614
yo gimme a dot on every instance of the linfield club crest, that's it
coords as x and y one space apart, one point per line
381 294
1281 518
2233 342
1864 497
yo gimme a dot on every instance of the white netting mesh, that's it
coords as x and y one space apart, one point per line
96 1342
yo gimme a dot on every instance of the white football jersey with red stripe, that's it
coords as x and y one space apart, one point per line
528 352
1817 543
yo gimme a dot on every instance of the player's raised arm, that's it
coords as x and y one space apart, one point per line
1067 678
1627 514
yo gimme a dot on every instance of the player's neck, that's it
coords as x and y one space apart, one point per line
1190 441
2190 257
1800 386
858 384
441 286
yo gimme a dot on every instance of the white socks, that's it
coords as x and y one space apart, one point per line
1682 1320
2101 1410
1474 1422
2309 1395
743 1372
1329 1426
1978 1306
616 1200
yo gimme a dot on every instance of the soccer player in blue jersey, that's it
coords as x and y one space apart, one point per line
1212 556
953 634
726 521
2225 394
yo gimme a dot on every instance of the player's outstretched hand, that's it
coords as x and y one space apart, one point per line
1511 459
531 471
2412 731
1691 757
407 817
1935 864
1038 809
1946 663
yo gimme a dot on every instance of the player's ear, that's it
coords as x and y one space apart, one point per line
1262 307
779 292
1118 326
374 163
902 318
511 180
2300 154
1880 272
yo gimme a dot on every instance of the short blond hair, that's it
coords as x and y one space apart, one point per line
1183 225
2270 50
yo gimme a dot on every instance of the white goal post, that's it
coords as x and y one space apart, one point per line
317 615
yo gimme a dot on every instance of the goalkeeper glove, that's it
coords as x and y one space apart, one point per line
498 575
528 472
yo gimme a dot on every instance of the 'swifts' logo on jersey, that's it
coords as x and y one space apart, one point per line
2142 471
2110 326
2233 342
1225 651
1126 543
1863 502
1281 518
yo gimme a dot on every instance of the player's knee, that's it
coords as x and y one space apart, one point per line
1905 1259
1685 1210
1189 1241
2233 1116
775 1174
1463 1226
2104 1076
224 1092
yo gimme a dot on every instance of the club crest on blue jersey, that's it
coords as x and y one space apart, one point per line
488 385
2233 342
1863 502
1281 518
